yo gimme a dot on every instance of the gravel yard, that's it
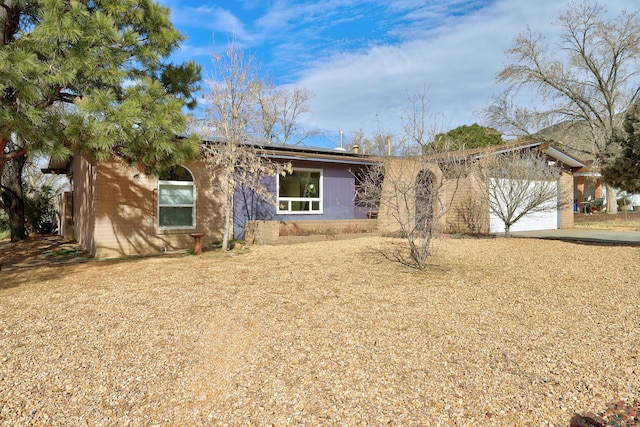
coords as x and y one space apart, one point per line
498 332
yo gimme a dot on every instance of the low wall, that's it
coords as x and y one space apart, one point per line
286 232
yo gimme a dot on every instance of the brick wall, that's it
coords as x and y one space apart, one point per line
116 211
579 190
282 232
84 212
565 188
262 232
65 215
397 203
467 212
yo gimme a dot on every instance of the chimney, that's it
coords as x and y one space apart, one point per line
356 148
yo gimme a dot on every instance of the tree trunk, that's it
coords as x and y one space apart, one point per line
507 230
612 202
227 217
12 197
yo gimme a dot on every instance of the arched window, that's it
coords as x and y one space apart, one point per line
424 200
176 199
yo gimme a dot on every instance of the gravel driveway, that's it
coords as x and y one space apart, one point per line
498 332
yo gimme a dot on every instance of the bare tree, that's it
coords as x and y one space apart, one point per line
413 193
40 194
417 124
33 177
472 213
280 109
357 138
379 143
233 121
516 184
513 120
589 79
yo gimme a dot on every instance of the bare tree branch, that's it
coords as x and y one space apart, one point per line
590 78
235 126
413 194
516 184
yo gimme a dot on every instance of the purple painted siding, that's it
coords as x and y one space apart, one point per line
337 199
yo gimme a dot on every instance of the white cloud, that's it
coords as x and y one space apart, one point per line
209 18
457 61
362 76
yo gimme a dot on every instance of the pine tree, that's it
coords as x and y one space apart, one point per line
91 76
623 171
464 137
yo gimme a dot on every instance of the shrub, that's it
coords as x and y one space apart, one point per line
39 210
4 225
623 203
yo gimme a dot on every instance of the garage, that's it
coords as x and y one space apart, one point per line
545 216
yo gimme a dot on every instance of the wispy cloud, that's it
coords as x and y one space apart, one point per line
197 21
362 57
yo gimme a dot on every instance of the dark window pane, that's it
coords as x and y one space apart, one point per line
176 217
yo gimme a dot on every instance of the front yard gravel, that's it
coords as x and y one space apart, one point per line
497 332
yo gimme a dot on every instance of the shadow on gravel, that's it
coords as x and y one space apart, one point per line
42 257
38 258
587 242
40 250
619 414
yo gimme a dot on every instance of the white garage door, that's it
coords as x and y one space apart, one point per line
544 220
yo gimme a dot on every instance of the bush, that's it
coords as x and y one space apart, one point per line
4 223
623 203
39 210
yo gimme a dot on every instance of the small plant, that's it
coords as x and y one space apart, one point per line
596 205
471 214
61 252
4 225
623 203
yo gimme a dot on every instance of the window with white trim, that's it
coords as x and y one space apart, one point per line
300 191
176 199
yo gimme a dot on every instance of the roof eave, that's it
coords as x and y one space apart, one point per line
563 157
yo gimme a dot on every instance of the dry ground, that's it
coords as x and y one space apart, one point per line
629 221
498 332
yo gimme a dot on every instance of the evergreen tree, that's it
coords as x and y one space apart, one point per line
623 171
464 137
90 76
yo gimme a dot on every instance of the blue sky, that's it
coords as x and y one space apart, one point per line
360 58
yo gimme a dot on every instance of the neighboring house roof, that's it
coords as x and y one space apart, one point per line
576 137
476 153
588 170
